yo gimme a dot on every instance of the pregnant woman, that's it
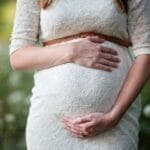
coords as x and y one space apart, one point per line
86 82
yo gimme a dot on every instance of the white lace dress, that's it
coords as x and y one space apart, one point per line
70 89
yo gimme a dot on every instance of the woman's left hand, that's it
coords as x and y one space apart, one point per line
90 124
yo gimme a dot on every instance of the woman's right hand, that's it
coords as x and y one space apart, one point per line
90 53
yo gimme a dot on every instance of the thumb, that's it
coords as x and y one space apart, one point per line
81 120
95 39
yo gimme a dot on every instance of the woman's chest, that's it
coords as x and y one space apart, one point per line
65 17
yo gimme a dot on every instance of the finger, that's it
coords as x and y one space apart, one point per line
72 130
109 50
74 133
88 126
68 119
78 128
95 39
78 120
71 125
102 67
97 65
108 63
81 119
88 129
110 57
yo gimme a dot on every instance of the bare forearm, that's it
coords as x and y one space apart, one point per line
137 76
36 58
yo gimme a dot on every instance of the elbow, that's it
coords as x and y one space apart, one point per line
15 61
147 59
143 61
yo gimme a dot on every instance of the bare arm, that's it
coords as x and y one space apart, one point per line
139 32
94 123
31 57
82 53
25 32
139 73
137 76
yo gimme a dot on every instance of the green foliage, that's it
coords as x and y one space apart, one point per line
15 91
145 119
7 11
15 87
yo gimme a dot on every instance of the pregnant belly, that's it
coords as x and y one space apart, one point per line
73 89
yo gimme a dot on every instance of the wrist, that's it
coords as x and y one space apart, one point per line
116 114
69 52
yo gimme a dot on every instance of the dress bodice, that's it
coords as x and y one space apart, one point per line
71 89
65 17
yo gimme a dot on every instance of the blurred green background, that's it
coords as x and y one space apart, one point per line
15 92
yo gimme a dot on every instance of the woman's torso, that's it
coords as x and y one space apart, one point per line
65 17
76 89
71 89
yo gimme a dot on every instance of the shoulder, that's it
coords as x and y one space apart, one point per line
27 5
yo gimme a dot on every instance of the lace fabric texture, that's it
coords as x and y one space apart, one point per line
73 90
65 17
70 89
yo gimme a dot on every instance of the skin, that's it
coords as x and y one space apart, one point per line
89 53
98 122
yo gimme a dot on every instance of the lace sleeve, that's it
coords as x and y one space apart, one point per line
139 25
26 24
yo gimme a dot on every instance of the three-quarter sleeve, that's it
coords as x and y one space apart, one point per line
139 26
26 24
